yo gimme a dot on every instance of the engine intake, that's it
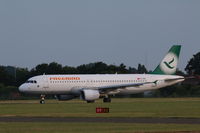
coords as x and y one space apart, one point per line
90 95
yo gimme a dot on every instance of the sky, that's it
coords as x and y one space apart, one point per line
75 32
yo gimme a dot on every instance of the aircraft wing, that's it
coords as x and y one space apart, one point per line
106 89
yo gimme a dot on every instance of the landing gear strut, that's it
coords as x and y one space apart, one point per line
42 97
106 99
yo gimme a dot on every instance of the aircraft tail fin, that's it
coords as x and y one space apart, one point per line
169 63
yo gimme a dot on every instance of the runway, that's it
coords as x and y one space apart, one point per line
103 120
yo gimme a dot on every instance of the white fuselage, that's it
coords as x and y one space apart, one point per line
73 84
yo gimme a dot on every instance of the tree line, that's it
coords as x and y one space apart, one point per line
12 77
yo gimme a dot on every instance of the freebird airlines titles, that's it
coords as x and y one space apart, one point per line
92 87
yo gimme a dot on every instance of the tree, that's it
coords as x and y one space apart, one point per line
93 68
132 70
70 70
39 69
52 68
22 74
193 66
6 78
122 68
141 69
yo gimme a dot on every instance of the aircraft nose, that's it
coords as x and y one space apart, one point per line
22 88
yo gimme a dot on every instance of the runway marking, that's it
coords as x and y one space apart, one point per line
103 119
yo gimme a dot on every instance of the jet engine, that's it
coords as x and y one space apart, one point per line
90 95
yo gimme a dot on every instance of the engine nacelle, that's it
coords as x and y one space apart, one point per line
90 95
65 97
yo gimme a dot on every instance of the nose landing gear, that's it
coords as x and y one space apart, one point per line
42 101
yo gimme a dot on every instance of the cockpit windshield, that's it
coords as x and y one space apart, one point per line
31 81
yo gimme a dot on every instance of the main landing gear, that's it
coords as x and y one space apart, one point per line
106 99
42 101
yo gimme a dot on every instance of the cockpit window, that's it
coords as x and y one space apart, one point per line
31 81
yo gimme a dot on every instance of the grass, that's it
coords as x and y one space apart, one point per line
92 127
127 107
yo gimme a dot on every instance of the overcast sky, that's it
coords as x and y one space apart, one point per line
75 32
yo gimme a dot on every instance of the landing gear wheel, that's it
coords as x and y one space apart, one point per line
106 99
42 101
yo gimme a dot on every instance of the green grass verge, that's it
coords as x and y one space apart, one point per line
32 127
127 107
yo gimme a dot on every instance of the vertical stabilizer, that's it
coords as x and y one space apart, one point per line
169 64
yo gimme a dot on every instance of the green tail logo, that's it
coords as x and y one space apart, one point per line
168 64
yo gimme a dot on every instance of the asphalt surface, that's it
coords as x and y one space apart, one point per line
103 120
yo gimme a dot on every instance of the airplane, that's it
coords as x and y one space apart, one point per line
90 87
